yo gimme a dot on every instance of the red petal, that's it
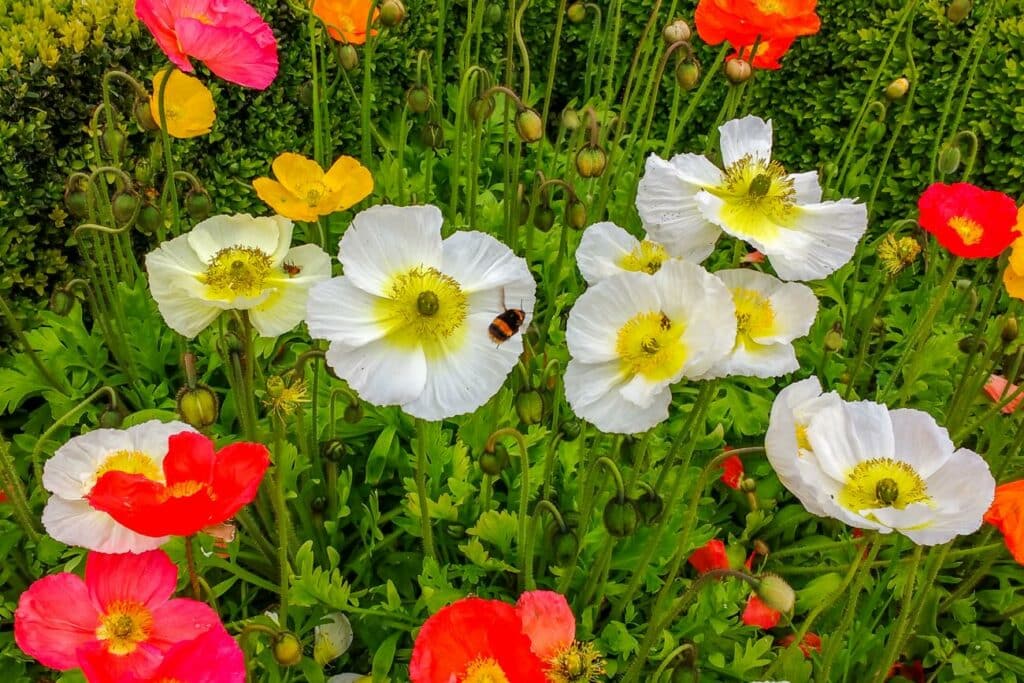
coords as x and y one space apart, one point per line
710 556
149 578
548 621
236 478
181 619
99 666
759 614
55 617
190 457
732 471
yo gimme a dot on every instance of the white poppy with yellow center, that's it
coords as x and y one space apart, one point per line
409 320
73 470
688 201
770 314
633 335
606 250
235 262
874 468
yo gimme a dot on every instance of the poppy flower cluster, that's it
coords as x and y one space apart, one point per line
770 25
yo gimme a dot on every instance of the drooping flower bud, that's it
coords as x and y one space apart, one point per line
144 115
493 462
198 407
570 429
958 10
1011 329
544 218
897 89
480 108
333 450
591 161
577 12
570 118
874 132
392 12
114 142
111 418
949 159
198 205
564 546
61 301
77 202
576 214
432 135
348 57
676 32
834 339
687 75
529 407
418 99
738 71
124 206
492 15
650 506
149 219
776 593
287 649
620 517
353 413
529 125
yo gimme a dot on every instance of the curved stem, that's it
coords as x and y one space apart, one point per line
524 496
37 466
898 632
426 530
15 491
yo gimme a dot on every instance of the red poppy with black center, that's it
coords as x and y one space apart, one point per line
710 556
201 487
967 220
773 25
759 614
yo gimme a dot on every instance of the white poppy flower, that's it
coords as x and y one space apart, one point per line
235 262
332 639
874 468
606 250
770 314
633 335
684 202
409 321
73 470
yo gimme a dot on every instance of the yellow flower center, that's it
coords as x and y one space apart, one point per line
770 6
576 663
759 197
646 257
183 489
802 442
125 624
969 230
313 193
880 483
424 307
485 670
237 271
755 316
651 345
131 462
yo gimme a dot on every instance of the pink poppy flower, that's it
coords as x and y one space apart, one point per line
187 662
548 622
121 618
229 36
998 389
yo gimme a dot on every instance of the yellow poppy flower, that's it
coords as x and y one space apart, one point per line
1013 276
188 104
303 192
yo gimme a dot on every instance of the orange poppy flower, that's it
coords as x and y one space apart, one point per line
772 24
345 19
1007 515
769 52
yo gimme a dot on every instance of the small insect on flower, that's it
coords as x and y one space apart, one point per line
291 269
507 323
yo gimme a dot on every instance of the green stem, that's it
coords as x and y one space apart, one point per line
526 570
281 513
190 560
19 334
421 489
15 492
364 110
37 465
899 629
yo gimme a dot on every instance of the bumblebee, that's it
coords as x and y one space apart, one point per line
506 325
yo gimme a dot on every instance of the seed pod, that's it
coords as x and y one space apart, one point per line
144 115
287 649
392 12
958 10
738 71
348 57
198 407
353 413
949 159
591 161
676 32
650 506
149 219
77 202
432 135
529 125
897 89
198 205
577 12
494 462
687 75
418 99
124 207
576 215
570 429
776 593
544 218
333 450
620 517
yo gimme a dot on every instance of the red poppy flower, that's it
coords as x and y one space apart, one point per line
188 660
200 487
710 556
757 613
732 471
810 643
548 621
967 220
1007 514
473 641
773 24
913 671
769 52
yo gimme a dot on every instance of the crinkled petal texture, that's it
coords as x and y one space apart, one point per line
483 635
758 614
229 36
303 192
769 52
188 661
74 469
770 314
235 262
200 488
606 250
743 22
873 468
345 19
409 321
633 335
666 202
188 104
967 220
710 556
1007 514
548 621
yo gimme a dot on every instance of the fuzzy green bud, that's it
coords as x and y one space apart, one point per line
1010 330
198 205
124 206
432 135
348 57
570 118
287 649
480 109
738 71
111 419
77 202
61 301
530 407
418 99
544 218
874 132
493 462
198 407
687 75
333 450
676 32
570 429
949 159
565 545
620 517
958 10
577 12
529 125
591 161
897 89
392 12
650 506
144 116
353 413
149 219
492 15
834 340
776 593
114 142
576 214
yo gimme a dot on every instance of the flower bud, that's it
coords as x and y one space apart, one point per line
124 206
738 71
874 132
878 324
198 407
968 345
111 419
570 118
687 75
949 159
287 649
149 219
570 429
591 161
144 172
333 450
530 407
353 413
676 32
650 506
432 135
564 546
620 517
144 115
761 548
418 99
61 301
577 12
897 89
748 485
544 218
348 57
198 205
1010 329
492 15
834 340
576 216
77 202
529 125
776 593
392 12
114 142
493 462
333 639
480 109
958 10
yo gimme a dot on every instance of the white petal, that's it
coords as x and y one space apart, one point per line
339 311
380 372
479 262
386 240
806 186
313 263
286 306
151 437
173 270
185 314
601 311
465 378
642 392
963 489
665 202
590 391
747 136
74 522
830 232
242 230
845 434
920 441
794 306
756 360
71 472
767 236
601 250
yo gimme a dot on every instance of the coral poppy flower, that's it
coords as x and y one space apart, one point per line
710 556
757 613
810 643
188 104
303 192
474 641
967 220
229 36
742 23
732 471
121 618
998 388
548 621
1007 515
186 662
199 487
345 19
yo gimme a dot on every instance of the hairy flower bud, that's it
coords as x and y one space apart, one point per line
114 142
687 75
676 32
493 462
591 161
287 649
544 218
392 12
738 71
576 215
418 99
897 89
149 219
124 206
348 57
530 407
198 205
61 301
529 125
111 418
874 132
564 546
198 407
481 108
570 429
958 10
77 202
650 506
353 413
776 593
620 517
949 159
1010 329
144 115
577 12
333 450
834 340
432 135
492 15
